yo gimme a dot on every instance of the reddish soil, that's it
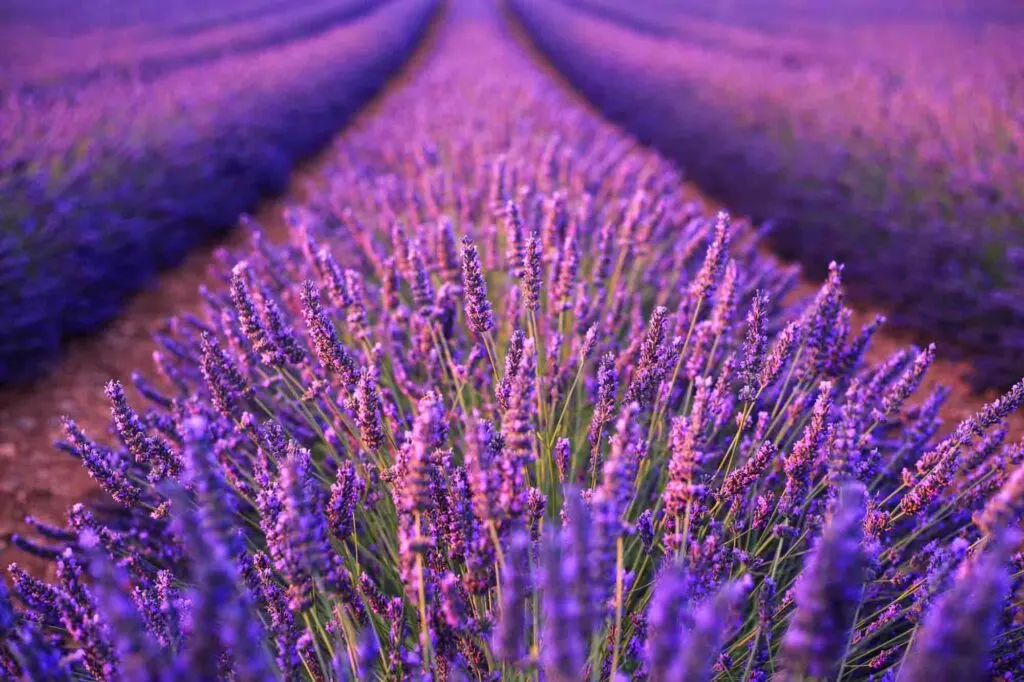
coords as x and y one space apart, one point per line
37 478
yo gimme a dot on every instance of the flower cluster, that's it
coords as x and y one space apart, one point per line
507 405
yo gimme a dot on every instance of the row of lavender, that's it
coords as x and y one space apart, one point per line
68 45
506 406
887 136
105 184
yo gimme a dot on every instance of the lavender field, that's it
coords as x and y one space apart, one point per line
498 396
889 136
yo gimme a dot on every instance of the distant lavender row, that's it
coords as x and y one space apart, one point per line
507 407
103 186
38 59
889 137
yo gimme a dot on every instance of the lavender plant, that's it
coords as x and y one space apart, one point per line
508 406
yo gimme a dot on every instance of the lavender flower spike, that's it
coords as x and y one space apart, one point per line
252 325
828 593
563 651
533 266
710 274
713 623
368 412
669 614
754 347
954 641
510 636
329 350
604 410
225 381
515 241
144 448
1006 507
478 309
139 655
105 467
907 383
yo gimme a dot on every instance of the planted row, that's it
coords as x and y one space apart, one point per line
64 49
507 406
104 185
888 137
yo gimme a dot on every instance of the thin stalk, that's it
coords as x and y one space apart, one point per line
616 637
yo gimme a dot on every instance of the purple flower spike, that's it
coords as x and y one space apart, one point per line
669 614
228 389
146 449
478 309
251 324
332 278
482 448
77 608
564 649
140 657
368 412
356 315
517 421
423 293
533 271
828 592
104 466
562 454
515 241
754 347
303 551
801 460
1006 507
40 599
907 384
956 637
649 369
341 507
281 332
725 301
568 271
445 249
739 480
389 286
709 277
713 623
332 355
779 354
510 636
607 388
429 433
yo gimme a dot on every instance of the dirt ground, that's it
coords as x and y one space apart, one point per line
38 479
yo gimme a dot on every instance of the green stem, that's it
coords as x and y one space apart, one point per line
619 560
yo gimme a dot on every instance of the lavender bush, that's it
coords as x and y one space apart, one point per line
885 135
106 180
508 406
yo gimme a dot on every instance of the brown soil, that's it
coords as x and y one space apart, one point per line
37 478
